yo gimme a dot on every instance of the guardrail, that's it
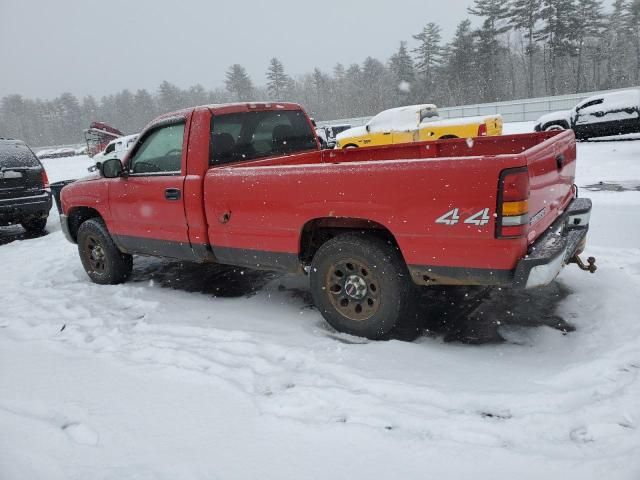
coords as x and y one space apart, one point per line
525 110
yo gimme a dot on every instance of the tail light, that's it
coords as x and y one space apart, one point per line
482 130
45 180
513 203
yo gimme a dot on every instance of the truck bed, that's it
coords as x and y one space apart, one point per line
404 189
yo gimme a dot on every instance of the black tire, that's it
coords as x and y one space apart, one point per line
35 225
448 137
361 285
351 145
102 260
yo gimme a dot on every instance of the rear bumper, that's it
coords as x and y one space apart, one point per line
17 209
553 250
542 264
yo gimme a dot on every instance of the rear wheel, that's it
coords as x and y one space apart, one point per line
351 145
447 137
360 284
554 127
35 225
102 260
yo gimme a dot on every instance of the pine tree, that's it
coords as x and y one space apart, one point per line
613 45
523 16
169 97
402 68
123 104
428 56
278 81
488 47
196 95
461 65
238 83
376 83
70 117
558 32
587 23
632 25
144 108
339 72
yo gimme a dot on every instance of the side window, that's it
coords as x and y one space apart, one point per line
110 148
237 137
427 114
160 151
590 104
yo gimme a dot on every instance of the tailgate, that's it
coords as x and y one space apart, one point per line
19 182
552 168
494 125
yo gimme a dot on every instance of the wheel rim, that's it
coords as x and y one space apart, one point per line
95 254
353 289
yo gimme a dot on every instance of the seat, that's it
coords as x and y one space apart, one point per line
282 139
221 148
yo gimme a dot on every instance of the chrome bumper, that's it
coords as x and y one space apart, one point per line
556 247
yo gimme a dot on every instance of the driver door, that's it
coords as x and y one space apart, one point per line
147 206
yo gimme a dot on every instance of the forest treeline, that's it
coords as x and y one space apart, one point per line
519 49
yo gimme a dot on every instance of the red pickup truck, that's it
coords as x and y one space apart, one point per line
248 185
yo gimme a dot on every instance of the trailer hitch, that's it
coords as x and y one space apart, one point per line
588 268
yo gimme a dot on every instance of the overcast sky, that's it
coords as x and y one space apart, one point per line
99 47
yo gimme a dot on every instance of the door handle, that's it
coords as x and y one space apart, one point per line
172 194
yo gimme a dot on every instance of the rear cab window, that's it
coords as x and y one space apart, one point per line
243 136
17 155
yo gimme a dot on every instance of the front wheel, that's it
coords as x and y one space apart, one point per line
102 260
360 284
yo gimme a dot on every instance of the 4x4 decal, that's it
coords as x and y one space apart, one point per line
452 217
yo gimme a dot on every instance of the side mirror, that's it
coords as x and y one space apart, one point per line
111 168
367 127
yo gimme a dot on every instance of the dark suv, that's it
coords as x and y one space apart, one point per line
25 196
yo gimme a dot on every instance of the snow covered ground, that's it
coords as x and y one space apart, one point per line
191 372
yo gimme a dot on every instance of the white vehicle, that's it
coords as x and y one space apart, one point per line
116 148
615 113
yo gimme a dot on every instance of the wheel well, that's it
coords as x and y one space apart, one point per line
78 216
350 145
560 123
320 230
446 137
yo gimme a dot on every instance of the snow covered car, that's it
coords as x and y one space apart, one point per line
46 153
64 152
416 123
25 196
615 113
327 134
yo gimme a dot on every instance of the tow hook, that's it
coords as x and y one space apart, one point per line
588 268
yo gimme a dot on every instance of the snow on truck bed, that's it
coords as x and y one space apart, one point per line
194 372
